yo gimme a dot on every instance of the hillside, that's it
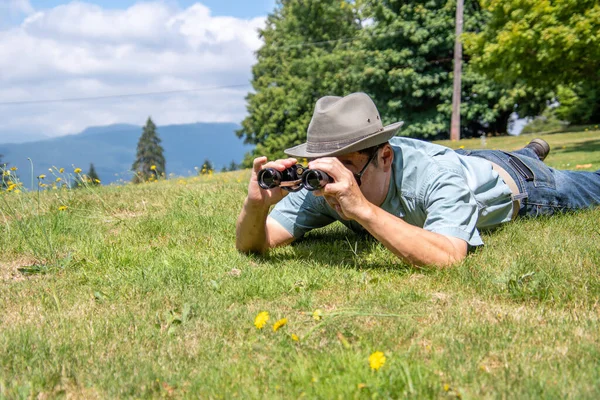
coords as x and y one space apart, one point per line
112 149
137 291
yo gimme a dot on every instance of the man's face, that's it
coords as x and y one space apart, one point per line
373 178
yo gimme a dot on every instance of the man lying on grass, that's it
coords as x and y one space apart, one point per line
424 202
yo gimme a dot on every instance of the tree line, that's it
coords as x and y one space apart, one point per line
523 56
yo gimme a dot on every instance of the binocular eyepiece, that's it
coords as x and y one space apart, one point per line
293 178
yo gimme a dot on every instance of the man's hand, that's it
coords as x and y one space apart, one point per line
255 231
343 194
258 196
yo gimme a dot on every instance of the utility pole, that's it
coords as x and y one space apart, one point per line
455 124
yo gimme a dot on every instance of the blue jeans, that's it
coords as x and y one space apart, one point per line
544 190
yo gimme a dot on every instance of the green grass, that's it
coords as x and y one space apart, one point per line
138 291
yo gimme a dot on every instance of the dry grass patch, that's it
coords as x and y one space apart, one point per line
9 270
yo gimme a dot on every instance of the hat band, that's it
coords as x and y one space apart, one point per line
322 147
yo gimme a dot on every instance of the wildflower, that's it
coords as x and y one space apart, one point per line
446 387
11 186
362 385
461 147
153 168
77 170
42 176
318 314
376 360
49 169
97 180
58 179
261 319
13 168
6 173
279 324
62 208
61 170
295 337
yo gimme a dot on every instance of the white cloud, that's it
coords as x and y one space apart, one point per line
82 50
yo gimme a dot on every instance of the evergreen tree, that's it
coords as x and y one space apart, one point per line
93 176
233 166
207 167
399 52
3 177
150 161
409 70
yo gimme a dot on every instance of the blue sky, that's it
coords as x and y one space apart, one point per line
233 8
197 54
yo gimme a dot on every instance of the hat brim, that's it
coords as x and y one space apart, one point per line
383 136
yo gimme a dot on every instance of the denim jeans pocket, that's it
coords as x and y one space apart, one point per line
532 170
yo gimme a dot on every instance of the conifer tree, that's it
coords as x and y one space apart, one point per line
3 178
207 167
93 176
149 160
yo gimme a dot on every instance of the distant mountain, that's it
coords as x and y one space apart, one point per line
112 149
12 137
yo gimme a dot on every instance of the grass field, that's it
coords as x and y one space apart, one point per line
138 291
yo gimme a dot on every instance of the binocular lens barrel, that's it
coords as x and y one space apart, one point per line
269 178
298 176
314 179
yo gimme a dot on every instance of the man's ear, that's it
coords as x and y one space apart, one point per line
387 157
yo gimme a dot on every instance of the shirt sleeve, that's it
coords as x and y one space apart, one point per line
450 206
300 212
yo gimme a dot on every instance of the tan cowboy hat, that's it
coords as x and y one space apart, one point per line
342 125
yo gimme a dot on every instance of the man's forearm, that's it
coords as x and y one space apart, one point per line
413 244
251 234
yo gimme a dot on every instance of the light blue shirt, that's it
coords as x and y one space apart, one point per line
431 187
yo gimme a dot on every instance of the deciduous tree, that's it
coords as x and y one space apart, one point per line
548 45
306 54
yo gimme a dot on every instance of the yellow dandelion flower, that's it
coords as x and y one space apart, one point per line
77 170
261 319
362 385
97 180
317 314
461 147
11 186
295 337
446 387
62 208
6 173
13 168
61 170
153 168
279 324
42 176
17 191
58 179
376 360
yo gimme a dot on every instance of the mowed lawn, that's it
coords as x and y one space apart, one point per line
138 291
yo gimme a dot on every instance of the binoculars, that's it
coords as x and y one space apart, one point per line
293 178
